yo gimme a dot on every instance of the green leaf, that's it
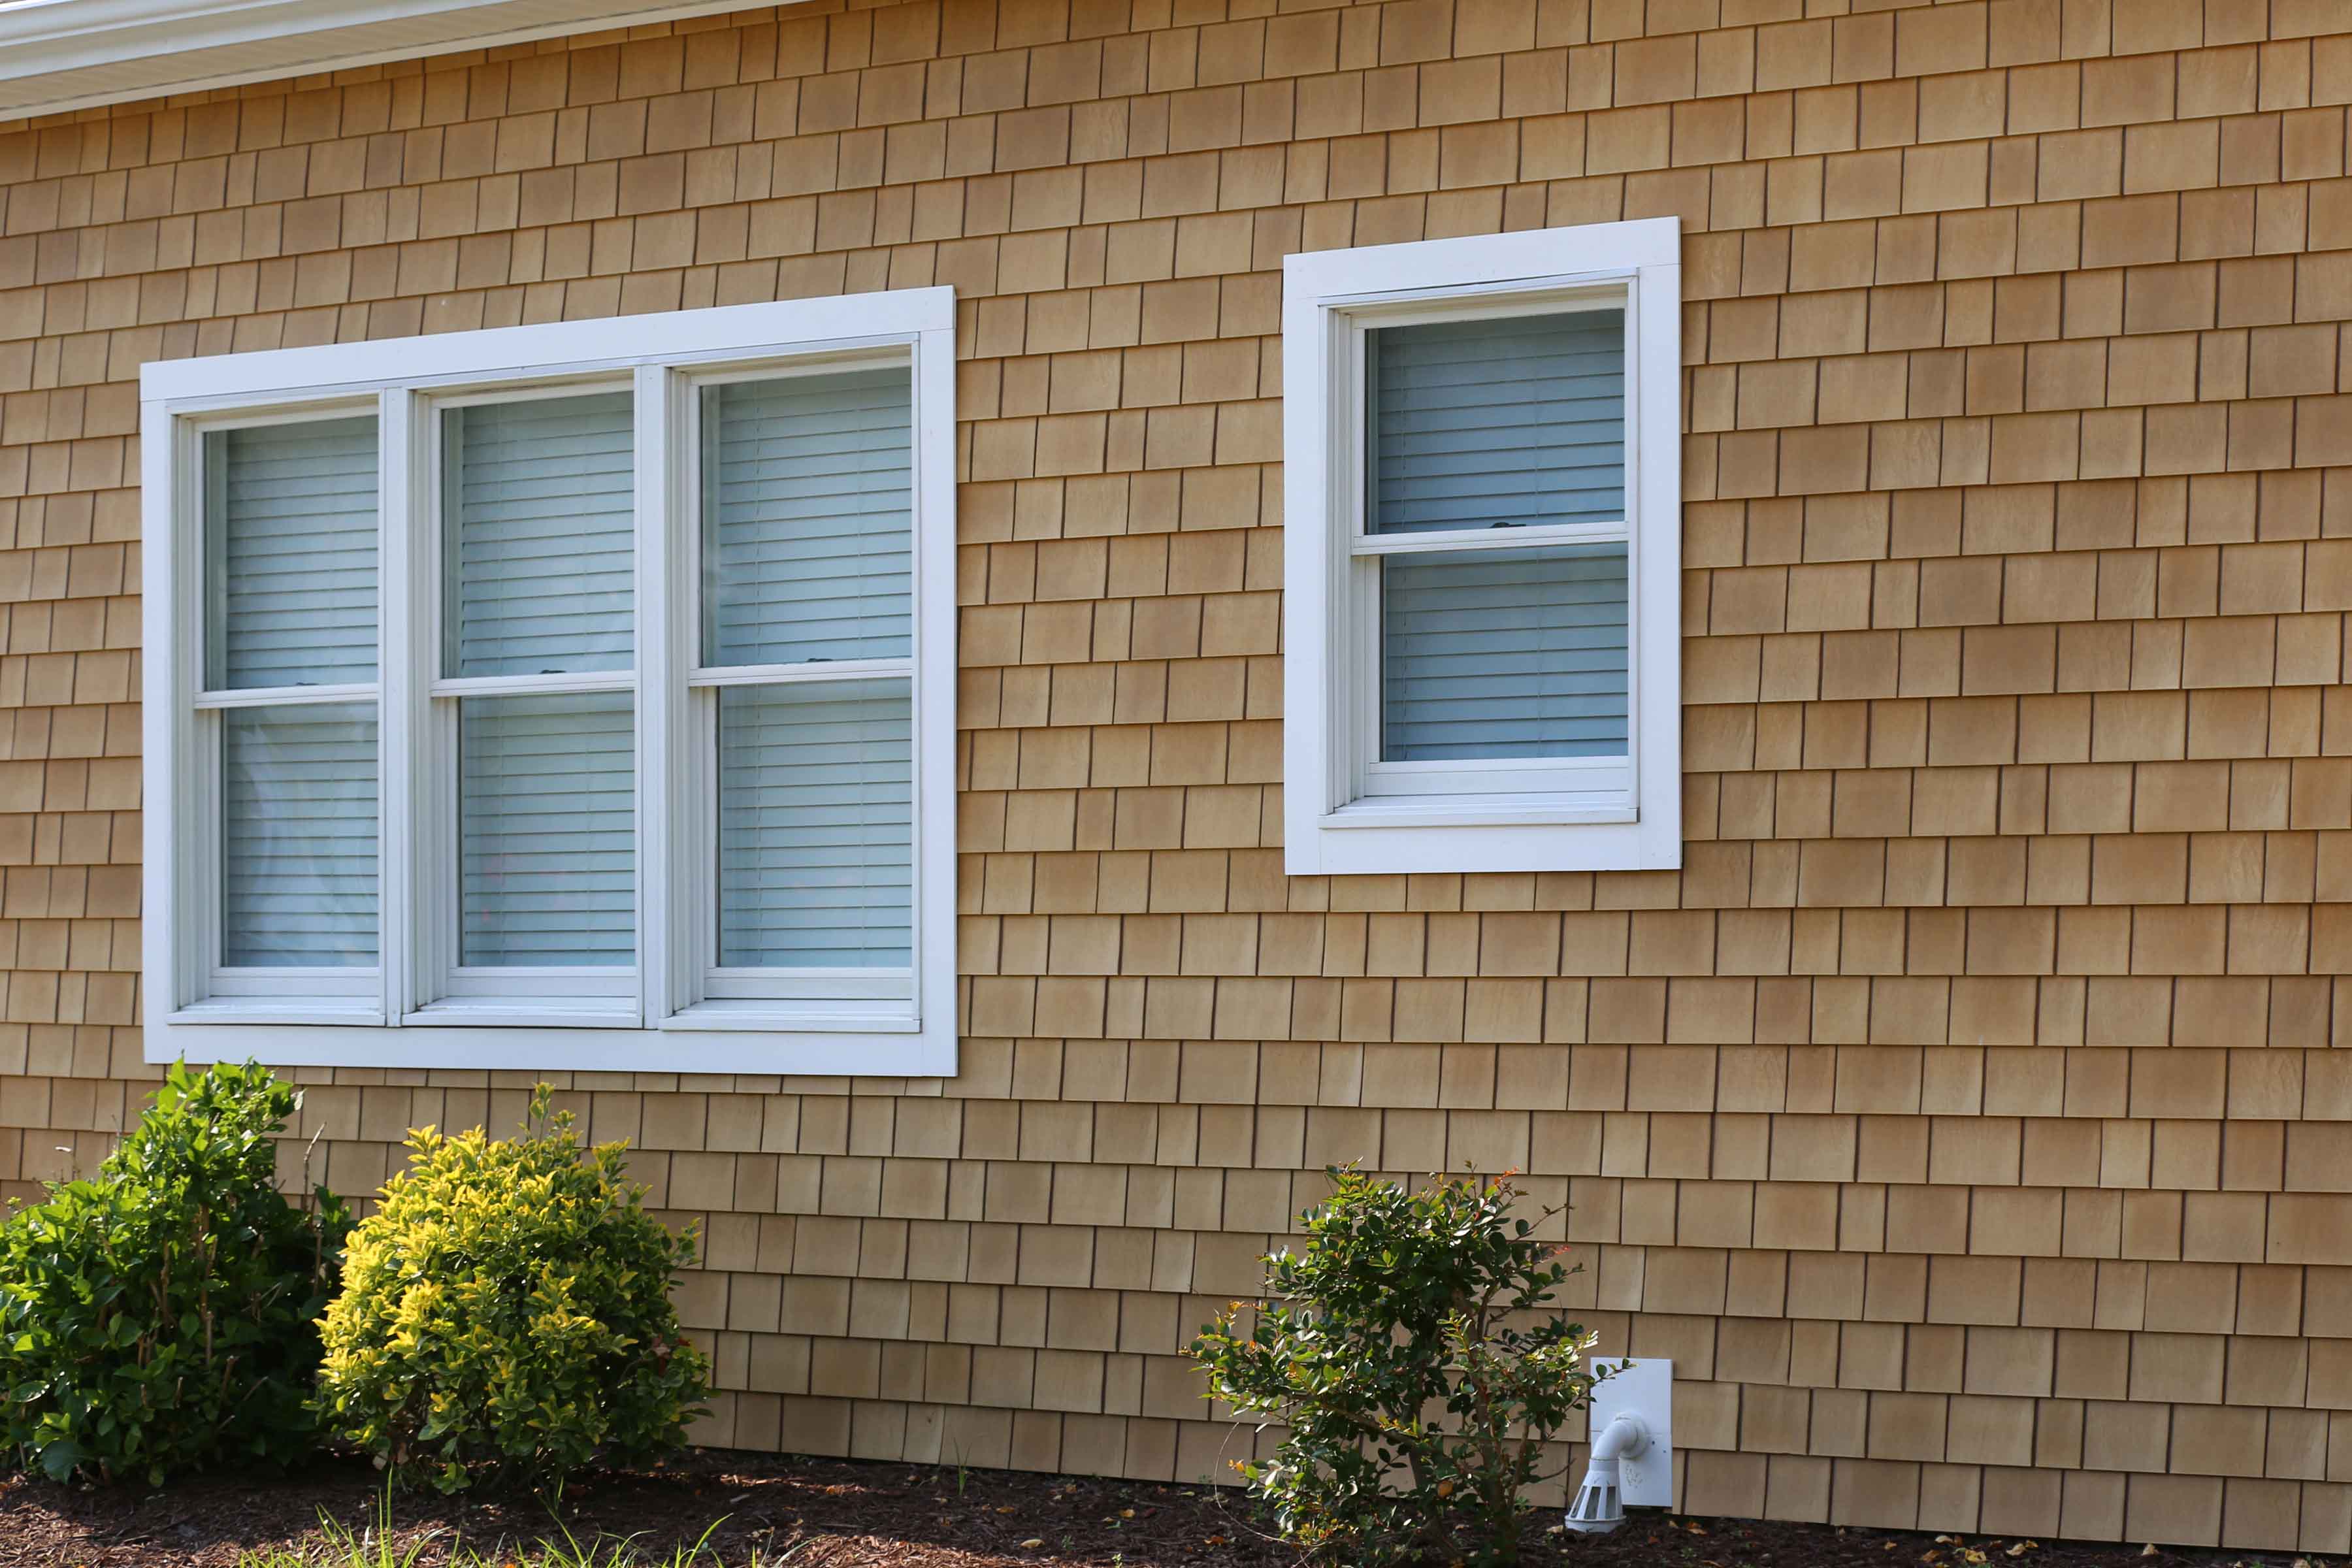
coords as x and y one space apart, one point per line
155 1313
506 1306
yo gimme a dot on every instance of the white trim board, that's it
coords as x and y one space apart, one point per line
674 1012
57 56
1529 819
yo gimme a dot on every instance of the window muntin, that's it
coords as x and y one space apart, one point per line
1483 494
520 831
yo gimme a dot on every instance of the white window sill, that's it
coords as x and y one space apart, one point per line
1385 837
317 1011
480 1011
1478 811
846 1017
832 1047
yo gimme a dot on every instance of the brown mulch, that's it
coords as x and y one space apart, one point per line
839 1514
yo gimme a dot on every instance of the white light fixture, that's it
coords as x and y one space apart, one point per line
1632 1460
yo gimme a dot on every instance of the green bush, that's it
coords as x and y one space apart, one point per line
160 1318
507 1309
1408 1349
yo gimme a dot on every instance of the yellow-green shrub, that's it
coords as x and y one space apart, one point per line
507 1309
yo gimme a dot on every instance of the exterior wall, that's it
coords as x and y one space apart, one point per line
1965 1119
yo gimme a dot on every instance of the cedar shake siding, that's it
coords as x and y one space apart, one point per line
1970 1116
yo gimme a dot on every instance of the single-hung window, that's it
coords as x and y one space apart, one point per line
576 695
1482 449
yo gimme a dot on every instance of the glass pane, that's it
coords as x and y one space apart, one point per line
1504 653
816 826
298 837
290 554
1497 424
808 519
539 508
547 830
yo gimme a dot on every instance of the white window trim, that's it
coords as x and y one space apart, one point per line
678 1018
1535 823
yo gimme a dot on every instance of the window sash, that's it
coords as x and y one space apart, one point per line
442 988
418 706
1589 787
711 991
198 492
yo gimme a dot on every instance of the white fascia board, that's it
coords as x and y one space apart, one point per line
57 56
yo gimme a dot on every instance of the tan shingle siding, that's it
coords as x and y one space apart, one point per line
1961 1119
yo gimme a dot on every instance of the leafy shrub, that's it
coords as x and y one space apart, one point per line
1404 1348
159 1318
508 1308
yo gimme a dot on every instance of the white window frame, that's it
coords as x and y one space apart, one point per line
1345 812
675 1012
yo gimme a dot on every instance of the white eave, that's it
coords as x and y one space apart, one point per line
59 55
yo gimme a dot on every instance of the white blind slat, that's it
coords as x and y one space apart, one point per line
541 510
547 830
291 530
1519 420
298 865
1505 653
808 519
817 825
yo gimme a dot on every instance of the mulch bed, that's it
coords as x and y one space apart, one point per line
848 1515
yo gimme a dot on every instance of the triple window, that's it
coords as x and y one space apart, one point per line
519 690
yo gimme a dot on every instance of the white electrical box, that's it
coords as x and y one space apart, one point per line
1642 1386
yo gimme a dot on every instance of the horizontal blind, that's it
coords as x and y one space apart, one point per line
547 830
1516 421
299 868
1504 653
540 510
817 825
290 556
808 519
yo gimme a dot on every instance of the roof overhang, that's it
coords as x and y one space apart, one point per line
60 55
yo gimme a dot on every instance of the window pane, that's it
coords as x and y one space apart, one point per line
290 556
808 519
547 830
1497 424
298 837
1504 653
539 508
816 826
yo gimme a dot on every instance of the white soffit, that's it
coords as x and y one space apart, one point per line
60 55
